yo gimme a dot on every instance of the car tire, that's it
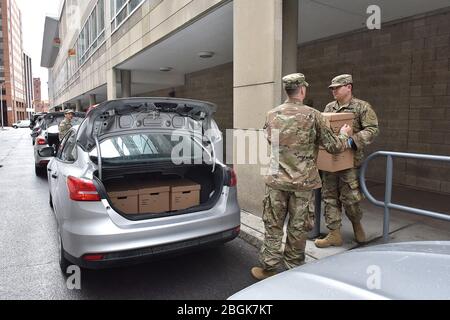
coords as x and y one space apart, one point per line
38 171
50 201
63 262
15 127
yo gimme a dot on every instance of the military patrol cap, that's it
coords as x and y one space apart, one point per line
341 80
69 111
295 80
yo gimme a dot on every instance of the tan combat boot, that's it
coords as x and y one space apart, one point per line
261 274
333 238
358 230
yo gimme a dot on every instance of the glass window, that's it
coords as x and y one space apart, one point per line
93 32
68 152
121 10
134 4
101 15
122 15
119 4
149 147
93 25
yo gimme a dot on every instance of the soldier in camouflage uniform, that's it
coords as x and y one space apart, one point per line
66 124
342 188
289 189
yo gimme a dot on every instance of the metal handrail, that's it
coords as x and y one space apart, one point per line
387 204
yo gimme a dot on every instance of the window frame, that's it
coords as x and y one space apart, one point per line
115 13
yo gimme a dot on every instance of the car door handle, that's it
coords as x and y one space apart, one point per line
49 170
54 176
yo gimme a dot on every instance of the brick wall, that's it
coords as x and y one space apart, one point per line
214 85
403 70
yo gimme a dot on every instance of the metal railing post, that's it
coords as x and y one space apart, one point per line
387 198
317 213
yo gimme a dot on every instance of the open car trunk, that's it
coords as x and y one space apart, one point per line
140 193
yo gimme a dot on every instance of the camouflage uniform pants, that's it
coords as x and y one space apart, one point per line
277 205
341 189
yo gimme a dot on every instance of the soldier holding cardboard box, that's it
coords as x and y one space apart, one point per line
342 187
289 188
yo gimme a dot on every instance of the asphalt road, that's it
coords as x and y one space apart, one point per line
29 254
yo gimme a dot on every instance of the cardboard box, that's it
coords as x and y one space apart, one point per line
124 200
337 120
184 194
154 198
335 162
342 161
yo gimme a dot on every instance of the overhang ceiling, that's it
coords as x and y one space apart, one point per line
49 50
324 18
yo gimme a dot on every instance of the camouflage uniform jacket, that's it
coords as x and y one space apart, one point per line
365 125
63 128
301 130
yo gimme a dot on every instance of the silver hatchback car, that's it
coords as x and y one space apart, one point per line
148 142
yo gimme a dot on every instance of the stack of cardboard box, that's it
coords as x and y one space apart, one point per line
154 197
336 162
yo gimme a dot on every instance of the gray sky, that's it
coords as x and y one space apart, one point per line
33 19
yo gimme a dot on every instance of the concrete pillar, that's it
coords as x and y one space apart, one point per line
78 106
125 83
92 100
260 47
290 37
112 83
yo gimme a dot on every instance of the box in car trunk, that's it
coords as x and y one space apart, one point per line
184 194
124 199
154 198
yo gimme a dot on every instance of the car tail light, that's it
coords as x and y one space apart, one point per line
82 189
41 141
232 182
93 257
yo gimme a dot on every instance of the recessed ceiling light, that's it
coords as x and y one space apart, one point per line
165 69
206 54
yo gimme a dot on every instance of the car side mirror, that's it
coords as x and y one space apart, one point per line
47 152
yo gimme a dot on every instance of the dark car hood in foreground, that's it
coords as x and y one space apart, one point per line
413 270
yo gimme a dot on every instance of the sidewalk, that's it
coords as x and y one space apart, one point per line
403 226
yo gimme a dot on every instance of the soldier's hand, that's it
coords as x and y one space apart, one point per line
346 129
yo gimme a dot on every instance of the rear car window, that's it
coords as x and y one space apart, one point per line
160 147
55 121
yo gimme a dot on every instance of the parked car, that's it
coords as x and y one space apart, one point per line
47 134
138 140
410 270
35 117
36 127
21 124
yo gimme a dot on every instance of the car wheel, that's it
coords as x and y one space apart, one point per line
38 171
50 200
15 127
63 262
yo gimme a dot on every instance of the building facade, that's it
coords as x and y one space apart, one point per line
37 94
234 53
28 79
12 65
